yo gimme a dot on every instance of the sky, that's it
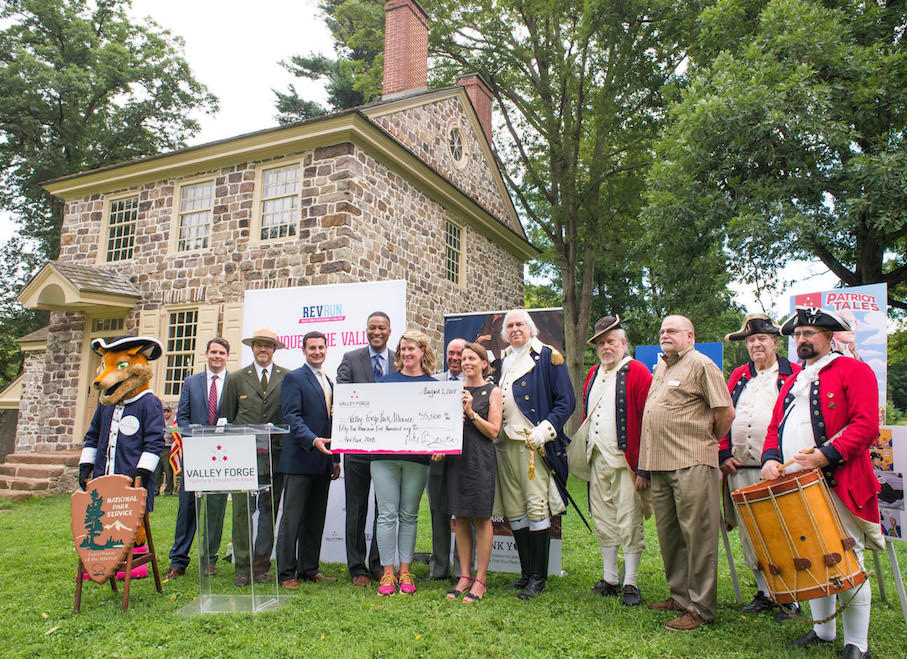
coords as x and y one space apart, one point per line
235 49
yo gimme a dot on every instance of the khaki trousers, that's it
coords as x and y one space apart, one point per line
686 505
615 509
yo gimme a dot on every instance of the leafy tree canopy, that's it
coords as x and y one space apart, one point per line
790 139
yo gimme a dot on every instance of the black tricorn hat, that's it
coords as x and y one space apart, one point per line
815 317
151 348
754 323
603 325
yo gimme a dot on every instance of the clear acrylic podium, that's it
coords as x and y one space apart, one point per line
234 460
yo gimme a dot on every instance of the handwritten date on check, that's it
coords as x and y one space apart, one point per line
398 417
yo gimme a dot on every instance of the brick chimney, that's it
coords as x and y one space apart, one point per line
480 95
405 47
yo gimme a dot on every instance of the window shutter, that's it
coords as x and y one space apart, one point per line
150 326
232 331
205 330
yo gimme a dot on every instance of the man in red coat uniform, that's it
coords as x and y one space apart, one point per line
754 388
827 418
605 452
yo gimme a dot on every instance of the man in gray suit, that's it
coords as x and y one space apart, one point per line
252 396
200 404
363 365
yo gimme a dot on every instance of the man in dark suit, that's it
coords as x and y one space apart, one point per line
363 365
307 466
199 404
252 396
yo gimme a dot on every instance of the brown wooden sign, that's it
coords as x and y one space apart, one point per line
105 520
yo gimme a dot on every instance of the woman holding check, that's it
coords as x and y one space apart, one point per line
399 480
470 475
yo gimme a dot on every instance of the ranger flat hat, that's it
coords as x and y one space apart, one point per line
266 335
151 348
603 325
815 317
754 323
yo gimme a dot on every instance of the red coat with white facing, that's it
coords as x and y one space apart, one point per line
847 398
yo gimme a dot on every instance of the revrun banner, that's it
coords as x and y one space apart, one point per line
339 311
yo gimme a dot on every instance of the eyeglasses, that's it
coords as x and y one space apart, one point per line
806 334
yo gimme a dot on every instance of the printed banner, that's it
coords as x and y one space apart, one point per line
889 460
339 311
404 417
218 463
866 309
649 355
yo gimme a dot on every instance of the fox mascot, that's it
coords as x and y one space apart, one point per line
126 435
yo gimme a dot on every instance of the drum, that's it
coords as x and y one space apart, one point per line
800 544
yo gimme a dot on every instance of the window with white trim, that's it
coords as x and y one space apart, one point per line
121 220
196 212
182 328
453 251
279 202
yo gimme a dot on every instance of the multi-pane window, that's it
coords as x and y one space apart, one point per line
279 202
108 324
181 331
455 144
195 215
121 228
453 250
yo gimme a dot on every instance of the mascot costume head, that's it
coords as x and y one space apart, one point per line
124 372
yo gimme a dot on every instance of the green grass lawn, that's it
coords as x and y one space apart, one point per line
37 567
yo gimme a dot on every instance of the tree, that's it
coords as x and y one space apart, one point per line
790 139
579 87
355 76
80 87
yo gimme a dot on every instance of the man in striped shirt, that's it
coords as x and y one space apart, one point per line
688 410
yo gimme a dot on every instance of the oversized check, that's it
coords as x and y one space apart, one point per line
398 417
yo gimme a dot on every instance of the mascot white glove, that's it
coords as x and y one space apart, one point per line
542 434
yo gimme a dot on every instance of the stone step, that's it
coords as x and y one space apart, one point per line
23 484
68 458
15 495
31 470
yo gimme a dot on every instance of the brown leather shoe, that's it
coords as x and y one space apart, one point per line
210 571
320 577
361 580
291 584
242 579
686 622
666 605
175 572
262 577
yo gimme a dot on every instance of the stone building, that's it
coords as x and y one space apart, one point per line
166 246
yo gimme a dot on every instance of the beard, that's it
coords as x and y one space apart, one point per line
807 351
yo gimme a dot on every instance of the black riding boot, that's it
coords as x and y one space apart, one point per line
539 543
521 539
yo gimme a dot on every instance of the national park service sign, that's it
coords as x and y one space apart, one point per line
105 520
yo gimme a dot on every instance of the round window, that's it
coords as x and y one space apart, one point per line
455 144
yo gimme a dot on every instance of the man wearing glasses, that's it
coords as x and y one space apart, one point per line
688 410
827 418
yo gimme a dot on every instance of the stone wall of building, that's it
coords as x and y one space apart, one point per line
425 130
50 395
359 222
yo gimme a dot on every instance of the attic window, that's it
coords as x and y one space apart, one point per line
455 144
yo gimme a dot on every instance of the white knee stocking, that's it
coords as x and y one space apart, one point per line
631 567
609 562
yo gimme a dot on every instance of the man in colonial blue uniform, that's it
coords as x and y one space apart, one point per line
531 452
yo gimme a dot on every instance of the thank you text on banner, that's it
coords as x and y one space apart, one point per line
405 417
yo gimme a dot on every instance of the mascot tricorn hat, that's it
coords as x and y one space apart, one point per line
151 348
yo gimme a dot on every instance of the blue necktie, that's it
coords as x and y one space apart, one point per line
377 367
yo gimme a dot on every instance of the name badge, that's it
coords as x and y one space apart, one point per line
673 383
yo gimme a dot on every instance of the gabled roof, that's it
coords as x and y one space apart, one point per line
69 287
353 125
